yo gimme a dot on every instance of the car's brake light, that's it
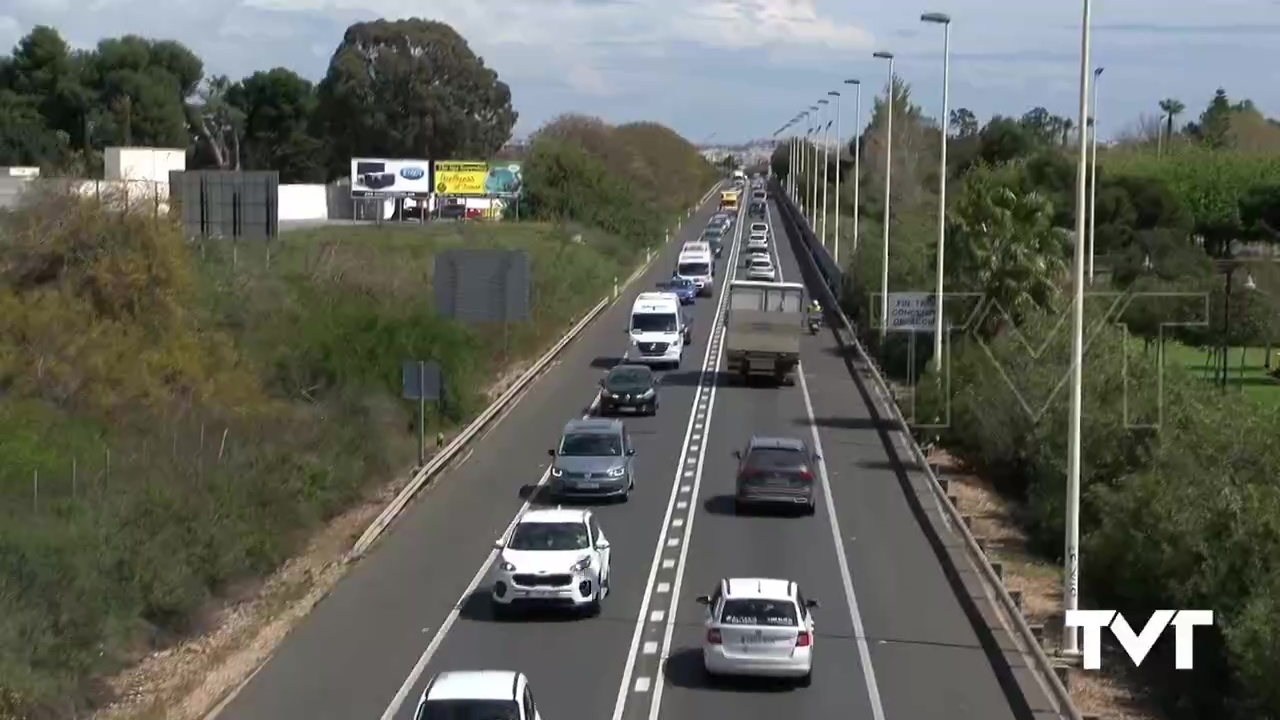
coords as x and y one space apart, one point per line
713 637
803 639
806 475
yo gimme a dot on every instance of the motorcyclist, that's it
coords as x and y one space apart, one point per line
815 312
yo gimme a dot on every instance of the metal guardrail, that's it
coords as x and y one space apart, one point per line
1011 615
442 459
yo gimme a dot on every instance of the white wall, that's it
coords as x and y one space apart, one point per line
138 163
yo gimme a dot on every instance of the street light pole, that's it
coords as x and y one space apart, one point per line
813 179
1071 583
857 155
888 184
945 21
1093 165
826 164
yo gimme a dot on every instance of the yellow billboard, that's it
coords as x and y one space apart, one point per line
461 179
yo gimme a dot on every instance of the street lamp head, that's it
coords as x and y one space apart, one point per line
813 108
852 81
1098 71
833 93
882 54
940 18
822 102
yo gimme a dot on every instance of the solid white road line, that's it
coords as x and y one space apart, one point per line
688 477
846 578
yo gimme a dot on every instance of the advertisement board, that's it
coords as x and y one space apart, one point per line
477 178
390 177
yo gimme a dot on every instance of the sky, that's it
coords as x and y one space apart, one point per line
731 70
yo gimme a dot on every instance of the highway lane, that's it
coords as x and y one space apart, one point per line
892 643
378 636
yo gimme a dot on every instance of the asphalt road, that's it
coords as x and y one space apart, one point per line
892 641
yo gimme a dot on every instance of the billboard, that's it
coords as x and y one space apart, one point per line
387 177
477 178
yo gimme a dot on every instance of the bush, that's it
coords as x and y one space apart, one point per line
177 418
1183 515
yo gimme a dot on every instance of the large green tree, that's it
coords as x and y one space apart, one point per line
278 107
411 88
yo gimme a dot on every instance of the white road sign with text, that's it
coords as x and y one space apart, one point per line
911 312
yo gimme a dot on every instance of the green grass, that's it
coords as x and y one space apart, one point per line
178 418
1247 371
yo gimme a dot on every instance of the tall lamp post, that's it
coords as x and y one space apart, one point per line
813 179
826 162
857 166
1071 583
795 154
945 21
888 176
1093 167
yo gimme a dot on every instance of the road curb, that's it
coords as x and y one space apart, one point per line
422 477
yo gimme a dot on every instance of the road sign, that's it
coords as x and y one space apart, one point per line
420 380
911 312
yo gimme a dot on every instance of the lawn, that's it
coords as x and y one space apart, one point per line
1247 369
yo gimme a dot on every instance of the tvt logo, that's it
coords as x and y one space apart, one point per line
1138 645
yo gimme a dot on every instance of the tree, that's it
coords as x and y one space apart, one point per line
141 87
964 123
218 125
1171 108
1005 248
1214 126
914 159
411 88
277 107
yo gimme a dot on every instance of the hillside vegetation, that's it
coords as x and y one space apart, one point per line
176 419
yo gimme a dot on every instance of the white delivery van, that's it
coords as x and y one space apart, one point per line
699 266
657 329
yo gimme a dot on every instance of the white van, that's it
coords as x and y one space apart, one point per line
699 266
657 329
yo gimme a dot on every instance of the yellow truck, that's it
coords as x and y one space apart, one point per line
729 200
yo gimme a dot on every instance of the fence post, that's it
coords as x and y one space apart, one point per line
35 491
73 478
223 445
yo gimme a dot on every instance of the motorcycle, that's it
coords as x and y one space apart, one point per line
815 324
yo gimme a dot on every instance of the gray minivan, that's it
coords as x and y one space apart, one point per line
593 460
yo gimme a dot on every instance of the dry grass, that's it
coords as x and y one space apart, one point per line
1109 693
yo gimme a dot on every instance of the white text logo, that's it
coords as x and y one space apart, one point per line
1137 645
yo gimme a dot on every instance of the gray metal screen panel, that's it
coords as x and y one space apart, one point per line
409 386
483 285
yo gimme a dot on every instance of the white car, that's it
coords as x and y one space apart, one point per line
496 694
755 254
757 242
758 627
760 228
553 556
761 268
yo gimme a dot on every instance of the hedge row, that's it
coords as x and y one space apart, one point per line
1180 498
177 419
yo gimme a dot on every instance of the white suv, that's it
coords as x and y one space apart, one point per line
554 556
759 627
490 694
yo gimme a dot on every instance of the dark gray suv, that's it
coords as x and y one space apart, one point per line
593 460
776 472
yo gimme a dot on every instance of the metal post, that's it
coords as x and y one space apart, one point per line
1093 169
835 248
942 186
826 167
1071 581
857 161
422 414
888 185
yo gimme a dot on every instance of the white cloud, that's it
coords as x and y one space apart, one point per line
766 23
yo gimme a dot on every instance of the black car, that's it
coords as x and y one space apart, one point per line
629 387
776 471
756 209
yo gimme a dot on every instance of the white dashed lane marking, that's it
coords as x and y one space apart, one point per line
648 646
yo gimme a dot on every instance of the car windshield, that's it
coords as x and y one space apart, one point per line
679 282
653 322
550 536
758 611
694 269
469 710
713 230
630 376
760 263
590 445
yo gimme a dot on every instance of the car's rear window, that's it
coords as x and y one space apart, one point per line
469 710
757 611
775 458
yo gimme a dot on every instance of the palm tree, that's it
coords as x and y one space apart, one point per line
1007 249
1171 108
1067 125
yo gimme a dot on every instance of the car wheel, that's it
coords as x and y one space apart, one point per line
806 681
593 607
499 611
811 508
739 507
